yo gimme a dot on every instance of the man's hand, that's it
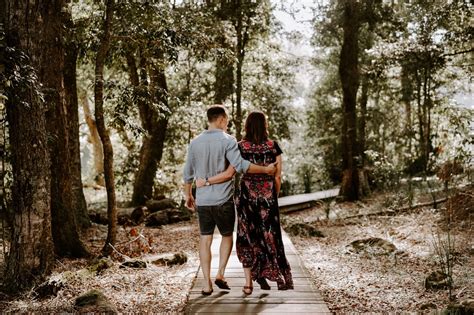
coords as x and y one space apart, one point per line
271 168
190 204
200 182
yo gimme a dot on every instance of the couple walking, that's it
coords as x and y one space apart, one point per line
213 158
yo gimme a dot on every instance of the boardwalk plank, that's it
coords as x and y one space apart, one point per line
304 299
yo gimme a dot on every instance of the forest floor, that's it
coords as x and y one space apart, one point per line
348 282
366 282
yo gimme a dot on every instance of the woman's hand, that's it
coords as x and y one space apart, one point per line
200 182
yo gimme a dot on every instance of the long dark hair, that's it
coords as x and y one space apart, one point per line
256 128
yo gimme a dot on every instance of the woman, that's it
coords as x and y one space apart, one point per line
259 241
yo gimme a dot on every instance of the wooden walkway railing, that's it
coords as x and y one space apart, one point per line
304 299
303 201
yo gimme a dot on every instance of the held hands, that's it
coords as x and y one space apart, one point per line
271 168
200 182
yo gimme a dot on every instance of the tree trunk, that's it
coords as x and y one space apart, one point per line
78 200
224 84
94 138
103 132
364 189
422 162
349 75
64 226
155 123
31 253
240 62
407 95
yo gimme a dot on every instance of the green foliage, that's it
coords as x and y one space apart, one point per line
426 39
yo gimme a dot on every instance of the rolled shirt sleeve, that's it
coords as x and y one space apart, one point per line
188 173
235 159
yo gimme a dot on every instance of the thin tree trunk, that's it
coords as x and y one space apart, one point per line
240 61
64 226
407 96
94 138
349 75
31 252
364 189
78 200
103 132
155 123
224 84
421 129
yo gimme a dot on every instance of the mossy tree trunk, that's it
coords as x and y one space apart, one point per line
31 251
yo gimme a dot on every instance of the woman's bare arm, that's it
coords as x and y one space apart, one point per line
278 174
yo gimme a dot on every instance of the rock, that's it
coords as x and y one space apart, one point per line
125 216
157 205
139 214
98 215
137 264
303 229
465 307
178 215
169 259
437 280
157 219
159 197
94 301
98 265
374 246
49 288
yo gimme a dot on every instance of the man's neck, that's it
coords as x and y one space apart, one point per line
213 127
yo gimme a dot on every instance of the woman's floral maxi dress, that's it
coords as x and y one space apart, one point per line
259 242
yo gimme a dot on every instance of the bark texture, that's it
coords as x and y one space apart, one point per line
154 122
64 226
79 204
349 75
31 252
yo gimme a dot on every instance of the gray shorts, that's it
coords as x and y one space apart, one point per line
223 216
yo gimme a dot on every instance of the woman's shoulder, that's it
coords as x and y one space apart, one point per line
245 144
274 146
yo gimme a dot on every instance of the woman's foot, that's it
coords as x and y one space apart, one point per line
282 286
263 284
247 290
207 290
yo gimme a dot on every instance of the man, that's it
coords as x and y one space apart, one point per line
208 155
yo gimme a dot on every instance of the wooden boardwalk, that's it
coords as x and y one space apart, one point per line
298 202
304 299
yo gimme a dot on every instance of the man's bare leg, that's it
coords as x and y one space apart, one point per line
224 252
205 258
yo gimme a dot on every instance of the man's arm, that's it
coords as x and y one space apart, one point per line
188 195
188 176
244 166
217 179
270 169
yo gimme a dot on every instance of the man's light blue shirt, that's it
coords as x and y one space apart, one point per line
210 154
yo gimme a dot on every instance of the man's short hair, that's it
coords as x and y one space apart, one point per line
214 112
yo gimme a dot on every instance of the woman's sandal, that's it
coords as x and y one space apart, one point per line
263 284
247 288
282 286
207 292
